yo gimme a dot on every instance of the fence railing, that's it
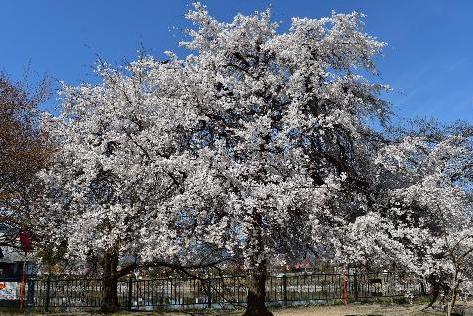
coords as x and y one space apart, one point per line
219 292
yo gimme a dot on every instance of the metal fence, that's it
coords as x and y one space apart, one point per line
218 292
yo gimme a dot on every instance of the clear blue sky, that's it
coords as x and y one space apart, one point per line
429 60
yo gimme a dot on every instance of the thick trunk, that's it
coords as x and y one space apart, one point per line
434 294
453 299
109 283
257 292
257 270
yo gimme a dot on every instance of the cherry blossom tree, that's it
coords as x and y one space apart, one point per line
439 200
279 137
423 219
117 159
257 146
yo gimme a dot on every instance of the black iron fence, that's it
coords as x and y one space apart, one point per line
219 292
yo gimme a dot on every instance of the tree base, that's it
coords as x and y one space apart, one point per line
109 308
259 311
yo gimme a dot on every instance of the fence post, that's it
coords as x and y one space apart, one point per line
130 293
284 289
422 288
345 288
170 286
30 293
355 286
209 291
46 298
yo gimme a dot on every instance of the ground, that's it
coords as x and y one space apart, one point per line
332 310
367 309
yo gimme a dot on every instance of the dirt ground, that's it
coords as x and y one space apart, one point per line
367 309
334 310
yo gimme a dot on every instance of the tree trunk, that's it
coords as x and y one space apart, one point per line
257 271
109 283
434 294
453 299
257 292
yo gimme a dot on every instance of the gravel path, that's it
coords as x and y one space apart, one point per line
368 309
337 310
332 310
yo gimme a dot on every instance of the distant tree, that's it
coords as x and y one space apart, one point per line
438 198
423 220
23 152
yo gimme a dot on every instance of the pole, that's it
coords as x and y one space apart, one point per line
355 285
209 290
46 297
130 293
23 288
284 289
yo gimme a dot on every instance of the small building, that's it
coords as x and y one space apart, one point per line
12 263
12 259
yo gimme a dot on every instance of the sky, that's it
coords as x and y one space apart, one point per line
428 61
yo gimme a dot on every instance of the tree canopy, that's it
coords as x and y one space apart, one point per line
23 153
255 148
